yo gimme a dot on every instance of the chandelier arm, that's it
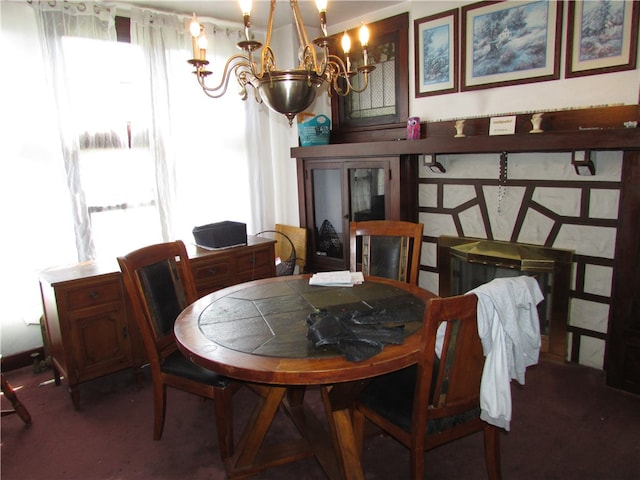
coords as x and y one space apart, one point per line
335 70
238 61
338 69
364 87
267 62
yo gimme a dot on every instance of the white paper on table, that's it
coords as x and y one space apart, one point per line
342 278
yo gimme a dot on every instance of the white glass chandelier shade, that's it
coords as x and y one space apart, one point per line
288 92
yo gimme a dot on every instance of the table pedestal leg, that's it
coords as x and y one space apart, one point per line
336 450
249 455
337 403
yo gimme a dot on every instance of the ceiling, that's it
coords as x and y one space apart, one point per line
338 11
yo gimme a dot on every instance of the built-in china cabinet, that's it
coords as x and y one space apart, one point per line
334 191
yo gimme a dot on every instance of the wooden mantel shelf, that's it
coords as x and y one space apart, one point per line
606 139
598 128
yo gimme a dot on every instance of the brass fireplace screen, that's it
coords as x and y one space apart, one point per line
465 263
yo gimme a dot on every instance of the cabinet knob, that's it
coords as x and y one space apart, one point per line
94 295
212 271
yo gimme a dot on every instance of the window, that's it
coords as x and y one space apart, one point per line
118 181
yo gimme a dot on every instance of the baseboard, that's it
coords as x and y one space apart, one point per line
20 360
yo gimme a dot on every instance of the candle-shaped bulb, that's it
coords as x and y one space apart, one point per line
346 43
346 47
364 40
245 6
194 28
364 35
322 8
202 45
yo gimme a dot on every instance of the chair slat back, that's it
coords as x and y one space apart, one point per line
386 248
453 386
160 284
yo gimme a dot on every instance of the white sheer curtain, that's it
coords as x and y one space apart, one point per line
37 228
57 23
202 146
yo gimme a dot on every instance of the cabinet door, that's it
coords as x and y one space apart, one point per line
99 341
211 273
254 264
341 192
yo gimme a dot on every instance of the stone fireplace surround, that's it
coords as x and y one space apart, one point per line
543 202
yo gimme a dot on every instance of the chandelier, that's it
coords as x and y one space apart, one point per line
288 92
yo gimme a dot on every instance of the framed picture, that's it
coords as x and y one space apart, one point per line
436 52
509 43
602 37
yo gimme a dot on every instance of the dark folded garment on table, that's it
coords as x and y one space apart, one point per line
393 335
356 342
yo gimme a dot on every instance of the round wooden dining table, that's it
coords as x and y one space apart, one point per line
256 332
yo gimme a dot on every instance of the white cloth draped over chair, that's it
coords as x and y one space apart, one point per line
509 328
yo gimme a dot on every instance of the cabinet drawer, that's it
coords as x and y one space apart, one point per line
254 261
94 294
257 274
212 273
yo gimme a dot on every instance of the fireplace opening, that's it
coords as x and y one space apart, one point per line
465 263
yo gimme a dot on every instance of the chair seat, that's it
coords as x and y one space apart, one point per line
177 364
392 395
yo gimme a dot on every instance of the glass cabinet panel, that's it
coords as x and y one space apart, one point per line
366 194
327 215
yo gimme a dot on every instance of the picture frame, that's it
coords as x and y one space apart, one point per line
436 53
601 37
510 43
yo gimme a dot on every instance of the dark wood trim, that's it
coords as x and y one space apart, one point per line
20 360
614 139
437 136
622 353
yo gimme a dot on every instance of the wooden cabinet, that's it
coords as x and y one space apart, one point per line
89 329
216 269
336 190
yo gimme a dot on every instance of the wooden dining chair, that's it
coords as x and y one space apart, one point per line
438 399
160 284
298 237
386 248
18 407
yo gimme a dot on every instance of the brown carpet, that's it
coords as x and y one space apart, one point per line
566 425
